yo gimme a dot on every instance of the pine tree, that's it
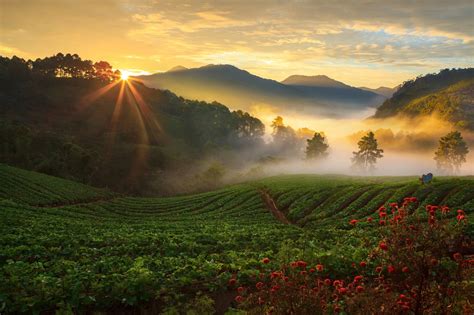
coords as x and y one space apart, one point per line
317 147
368 153
451 153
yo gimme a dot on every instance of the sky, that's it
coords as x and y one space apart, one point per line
362 43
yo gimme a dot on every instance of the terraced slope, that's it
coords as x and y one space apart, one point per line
85 249
42 190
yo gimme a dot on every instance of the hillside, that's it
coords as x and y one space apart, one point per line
448 94
241 90
117 252
111 133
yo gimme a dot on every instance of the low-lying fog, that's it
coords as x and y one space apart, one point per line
408 144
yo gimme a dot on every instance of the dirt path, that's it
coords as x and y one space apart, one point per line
271 206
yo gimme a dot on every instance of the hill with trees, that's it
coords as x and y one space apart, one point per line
448 94
76 119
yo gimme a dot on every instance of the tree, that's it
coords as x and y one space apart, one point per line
285 139
451 152
368 153
317 147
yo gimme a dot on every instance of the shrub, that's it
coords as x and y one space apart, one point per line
417 267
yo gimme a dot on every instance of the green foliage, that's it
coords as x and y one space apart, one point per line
66 110
317 147
368 153
447 94
85 249
451 152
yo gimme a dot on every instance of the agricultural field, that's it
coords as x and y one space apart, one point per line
72 248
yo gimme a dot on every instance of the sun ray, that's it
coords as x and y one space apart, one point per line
89 99
147 113
114 120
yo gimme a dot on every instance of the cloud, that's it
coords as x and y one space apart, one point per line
401 39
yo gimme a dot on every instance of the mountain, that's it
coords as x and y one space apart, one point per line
315 81
383 90
448 94
177 68
240 89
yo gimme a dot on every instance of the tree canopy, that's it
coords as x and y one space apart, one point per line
317 147
451 152
366 158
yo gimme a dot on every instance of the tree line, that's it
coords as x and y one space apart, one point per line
449 156
57 66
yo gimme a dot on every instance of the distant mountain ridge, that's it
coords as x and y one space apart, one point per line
383 90
240 89
448 94
316 80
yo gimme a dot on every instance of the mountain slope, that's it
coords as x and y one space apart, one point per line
119 134
240 89
383 90
448 95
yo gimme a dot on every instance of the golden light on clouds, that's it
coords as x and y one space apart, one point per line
371 44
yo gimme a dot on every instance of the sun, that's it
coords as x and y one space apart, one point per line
124 76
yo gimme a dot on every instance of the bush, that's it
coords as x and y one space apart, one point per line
417 267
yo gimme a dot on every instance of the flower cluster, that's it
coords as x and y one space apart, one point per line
415 268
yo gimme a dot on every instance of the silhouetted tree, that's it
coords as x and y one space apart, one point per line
451 152
104 71
368 153
317 147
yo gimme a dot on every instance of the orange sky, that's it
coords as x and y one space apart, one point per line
362 43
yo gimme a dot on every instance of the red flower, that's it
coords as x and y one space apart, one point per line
312 270
413 199
327 282
382 222
382 208
382 214
360 288
265 260
353 222
239 299
303 272
393 204
391 269
232 281
301 263
358 278
460 217
363 264
240 289
319 267
342 290
378 269
275 274
259 285
457 257
369 219
383 246
405 269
